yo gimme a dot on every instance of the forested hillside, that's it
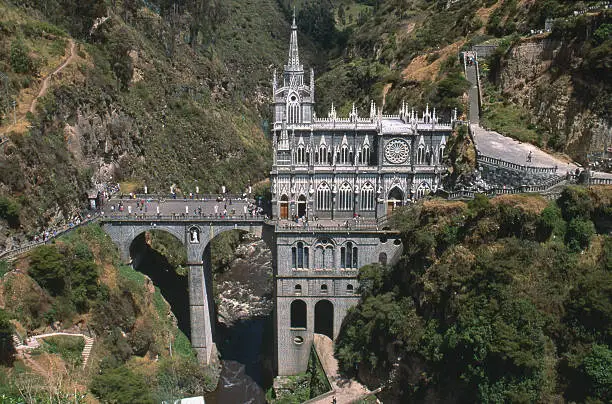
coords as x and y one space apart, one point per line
507 300
157 93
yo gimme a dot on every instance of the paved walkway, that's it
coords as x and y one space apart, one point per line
471 75
180 207
492 144
345 390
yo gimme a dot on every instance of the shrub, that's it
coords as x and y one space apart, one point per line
579 233
48 268
7 350
121 385
550 222
69 348
180 377
20 58
597 367
575 202
9 210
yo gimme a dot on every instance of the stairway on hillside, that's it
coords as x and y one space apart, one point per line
87 349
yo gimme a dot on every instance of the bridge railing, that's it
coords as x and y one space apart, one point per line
143 217
482 159
183 197
8 254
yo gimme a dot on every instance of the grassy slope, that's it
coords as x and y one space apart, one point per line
197 115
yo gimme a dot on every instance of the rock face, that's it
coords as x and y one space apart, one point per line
545 76
245 289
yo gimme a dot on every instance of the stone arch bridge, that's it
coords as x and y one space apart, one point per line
195 234
315 271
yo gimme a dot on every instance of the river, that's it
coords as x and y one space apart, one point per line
243 330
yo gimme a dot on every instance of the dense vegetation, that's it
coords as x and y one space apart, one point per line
78 279
157 94
507 300
303 387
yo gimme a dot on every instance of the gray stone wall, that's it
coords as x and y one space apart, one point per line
293 344
499 177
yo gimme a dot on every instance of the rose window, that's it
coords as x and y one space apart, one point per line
397 151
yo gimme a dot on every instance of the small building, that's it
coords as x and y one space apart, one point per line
93 196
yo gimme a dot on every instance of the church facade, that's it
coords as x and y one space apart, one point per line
333 169
337 168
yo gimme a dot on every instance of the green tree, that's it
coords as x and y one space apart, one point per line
48 268
20 58
121 385
579 234
597 367
575 202
10 210
7 350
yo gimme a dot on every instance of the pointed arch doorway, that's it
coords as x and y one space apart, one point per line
324 318
284 207
395 199
301 206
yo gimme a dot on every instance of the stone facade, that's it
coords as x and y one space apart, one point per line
338 167
320 267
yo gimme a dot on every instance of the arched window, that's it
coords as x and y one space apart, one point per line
367 197
382 258
365 155
421 154
298 314
302 255
293 109
323 154
300 155
441 154
346 197
348 256
297 289
423 190
349 289
324 289
344 155
293 257
427 156
323 197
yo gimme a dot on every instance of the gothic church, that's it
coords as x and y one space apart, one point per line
336 168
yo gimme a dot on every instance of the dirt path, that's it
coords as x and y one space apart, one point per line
46 80
345 390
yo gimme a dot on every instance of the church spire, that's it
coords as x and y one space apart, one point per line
294 57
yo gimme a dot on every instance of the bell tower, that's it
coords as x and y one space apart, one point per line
293 101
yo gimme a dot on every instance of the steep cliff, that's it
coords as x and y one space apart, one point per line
550 78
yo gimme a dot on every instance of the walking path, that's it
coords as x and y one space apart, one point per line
496 146
344 390
46 80
32 343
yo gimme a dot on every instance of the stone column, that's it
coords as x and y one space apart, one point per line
200 308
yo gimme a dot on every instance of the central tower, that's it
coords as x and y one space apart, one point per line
294 100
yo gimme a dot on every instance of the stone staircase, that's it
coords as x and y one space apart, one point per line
87 349
32 343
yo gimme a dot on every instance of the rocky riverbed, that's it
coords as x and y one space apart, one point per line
244 327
